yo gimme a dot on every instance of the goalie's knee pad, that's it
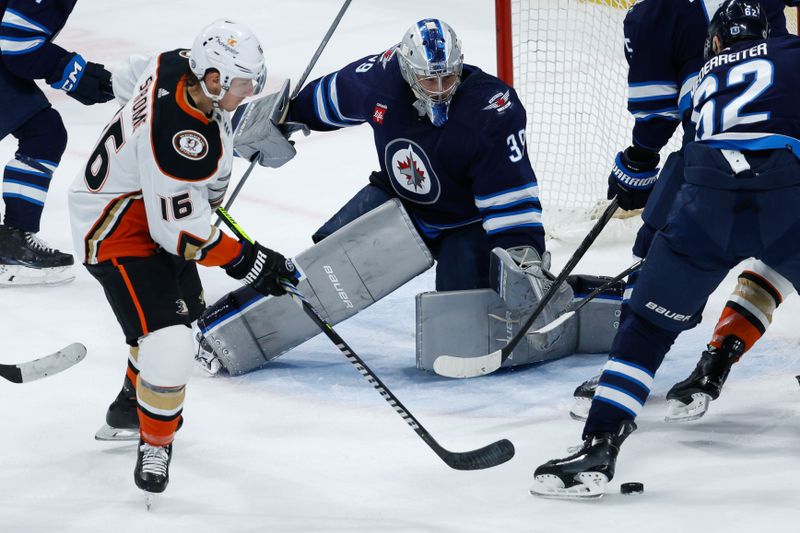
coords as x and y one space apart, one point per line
485 323
165 356
341 275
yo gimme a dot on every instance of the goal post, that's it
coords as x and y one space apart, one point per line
565 58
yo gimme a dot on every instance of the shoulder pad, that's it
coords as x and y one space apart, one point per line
186 144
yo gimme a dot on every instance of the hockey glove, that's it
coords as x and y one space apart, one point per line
633 176
262 269
257 132
87 82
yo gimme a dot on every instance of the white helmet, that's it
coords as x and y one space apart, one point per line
234 51
431 61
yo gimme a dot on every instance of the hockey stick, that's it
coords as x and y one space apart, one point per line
295 92
453 366
491 455
588 298
44 366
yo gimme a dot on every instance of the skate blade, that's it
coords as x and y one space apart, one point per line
677 411
22 276
107 433
591 486
150 499
580 409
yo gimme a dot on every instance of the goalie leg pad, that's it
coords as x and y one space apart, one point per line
341 275
485 323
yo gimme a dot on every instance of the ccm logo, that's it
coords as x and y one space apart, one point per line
338 287
667 313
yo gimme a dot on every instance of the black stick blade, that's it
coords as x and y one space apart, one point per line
494 454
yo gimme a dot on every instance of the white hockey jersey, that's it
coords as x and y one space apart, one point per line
157 172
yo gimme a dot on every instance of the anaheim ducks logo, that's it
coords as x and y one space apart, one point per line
412 174
190 144
500 101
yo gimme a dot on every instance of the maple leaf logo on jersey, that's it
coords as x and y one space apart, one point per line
415 176
411 174
500 101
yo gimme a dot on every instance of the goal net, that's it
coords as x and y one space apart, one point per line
569 70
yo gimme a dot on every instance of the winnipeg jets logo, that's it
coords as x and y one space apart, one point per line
412 175
500 101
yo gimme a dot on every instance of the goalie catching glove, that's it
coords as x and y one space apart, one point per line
632 178
262 269
259 130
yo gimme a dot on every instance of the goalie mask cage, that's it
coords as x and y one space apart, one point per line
565 59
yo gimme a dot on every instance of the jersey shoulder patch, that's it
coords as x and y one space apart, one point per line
186 144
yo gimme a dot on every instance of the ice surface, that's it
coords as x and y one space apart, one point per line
307 445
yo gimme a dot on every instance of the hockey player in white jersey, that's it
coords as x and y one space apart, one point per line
141 214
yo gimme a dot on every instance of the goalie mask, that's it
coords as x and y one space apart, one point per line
234 51
734 21
431 61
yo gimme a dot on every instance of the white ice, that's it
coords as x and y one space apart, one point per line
307 444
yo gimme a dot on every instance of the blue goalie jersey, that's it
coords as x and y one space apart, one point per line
474 169
664 47
746 97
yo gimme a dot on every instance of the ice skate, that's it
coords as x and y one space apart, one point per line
152 470
689 399
27 260
122 418
583 398
585 473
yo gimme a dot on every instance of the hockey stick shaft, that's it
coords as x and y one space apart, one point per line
588 298
295 92
487 457
44 366
562 277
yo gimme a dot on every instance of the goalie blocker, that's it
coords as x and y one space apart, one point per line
341 275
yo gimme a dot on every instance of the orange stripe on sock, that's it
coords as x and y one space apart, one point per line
135 299
157 432
733 323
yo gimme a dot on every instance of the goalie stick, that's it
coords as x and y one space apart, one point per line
453 366
44 366
295 92
588 298
491 455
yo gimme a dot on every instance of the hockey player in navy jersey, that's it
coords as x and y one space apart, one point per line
27 32
450 140
664 49
739 200
451 143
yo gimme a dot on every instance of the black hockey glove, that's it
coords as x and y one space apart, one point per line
87 82
633 176
262 268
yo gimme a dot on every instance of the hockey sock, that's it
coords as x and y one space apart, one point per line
26 178
626 380
748 311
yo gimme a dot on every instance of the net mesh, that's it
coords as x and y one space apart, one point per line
571 74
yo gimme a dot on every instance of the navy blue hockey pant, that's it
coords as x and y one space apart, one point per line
462 254
718 220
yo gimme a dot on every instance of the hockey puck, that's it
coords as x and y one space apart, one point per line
633 487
